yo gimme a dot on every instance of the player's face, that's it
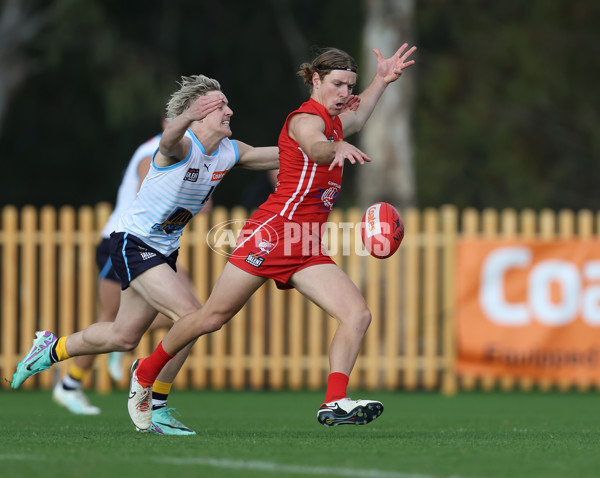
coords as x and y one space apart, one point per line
334 90
219 119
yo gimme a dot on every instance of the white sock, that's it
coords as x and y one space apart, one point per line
69 383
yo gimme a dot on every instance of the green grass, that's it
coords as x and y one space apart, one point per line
276 434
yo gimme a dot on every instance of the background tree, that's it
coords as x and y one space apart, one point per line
388 135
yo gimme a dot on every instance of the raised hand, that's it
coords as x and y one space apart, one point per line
352 104
204 106
391 68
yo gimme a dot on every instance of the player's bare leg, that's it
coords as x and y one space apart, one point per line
224 302
332 290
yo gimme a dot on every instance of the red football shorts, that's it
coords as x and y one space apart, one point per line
273 247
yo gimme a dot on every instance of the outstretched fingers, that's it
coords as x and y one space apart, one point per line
378 54
404 55
205 105
352 104
353 157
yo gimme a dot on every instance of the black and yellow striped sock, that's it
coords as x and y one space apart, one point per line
160 394
72 380
58 352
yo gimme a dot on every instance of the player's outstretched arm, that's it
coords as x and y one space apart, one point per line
173 146
308 130
265 157
388 71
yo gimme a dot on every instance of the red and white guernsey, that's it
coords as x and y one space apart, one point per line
305 191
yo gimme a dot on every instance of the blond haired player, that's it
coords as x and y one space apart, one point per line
194 155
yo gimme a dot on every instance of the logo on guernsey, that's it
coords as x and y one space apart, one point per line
175 222
254 259
218 175
145 253
192 175
329 195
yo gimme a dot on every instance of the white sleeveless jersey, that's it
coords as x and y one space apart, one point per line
129 184
171 196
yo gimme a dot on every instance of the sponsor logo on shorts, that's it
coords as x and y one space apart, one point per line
192 175
265 246
218 175
145 253
254 259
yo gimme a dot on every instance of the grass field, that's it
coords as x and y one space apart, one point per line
276 434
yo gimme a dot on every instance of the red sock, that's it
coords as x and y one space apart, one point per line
151 366
337 383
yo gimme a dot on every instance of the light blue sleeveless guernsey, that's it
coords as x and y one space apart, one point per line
171 196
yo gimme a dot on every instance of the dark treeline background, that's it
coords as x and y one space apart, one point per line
506 111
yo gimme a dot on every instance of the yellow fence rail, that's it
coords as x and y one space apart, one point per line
279 339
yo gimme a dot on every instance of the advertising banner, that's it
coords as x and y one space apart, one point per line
529 308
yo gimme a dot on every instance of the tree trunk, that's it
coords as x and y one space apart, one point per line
387 136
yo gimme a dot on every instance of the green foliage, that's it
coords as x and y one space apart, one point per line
508 110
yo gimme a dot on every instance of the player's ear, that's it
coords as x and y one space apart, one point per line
316 79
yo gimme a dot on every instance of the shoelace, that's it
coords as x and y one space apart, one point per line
144 404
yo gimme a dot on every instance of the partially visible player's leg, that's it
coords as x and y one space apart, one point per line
231 291
332 290
68 392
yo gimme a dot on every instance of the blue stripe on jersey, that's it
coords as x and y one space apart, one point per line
237 153
105 269
200 145
197 141
125 257
173 166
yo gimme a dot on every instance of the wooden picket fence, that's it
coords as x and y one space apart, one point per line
279 339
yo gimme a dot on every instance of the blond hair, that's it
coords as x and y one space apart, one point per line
192 87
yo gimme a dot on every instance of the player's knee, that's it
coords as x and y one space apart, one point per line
215 321
125 344
362 319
